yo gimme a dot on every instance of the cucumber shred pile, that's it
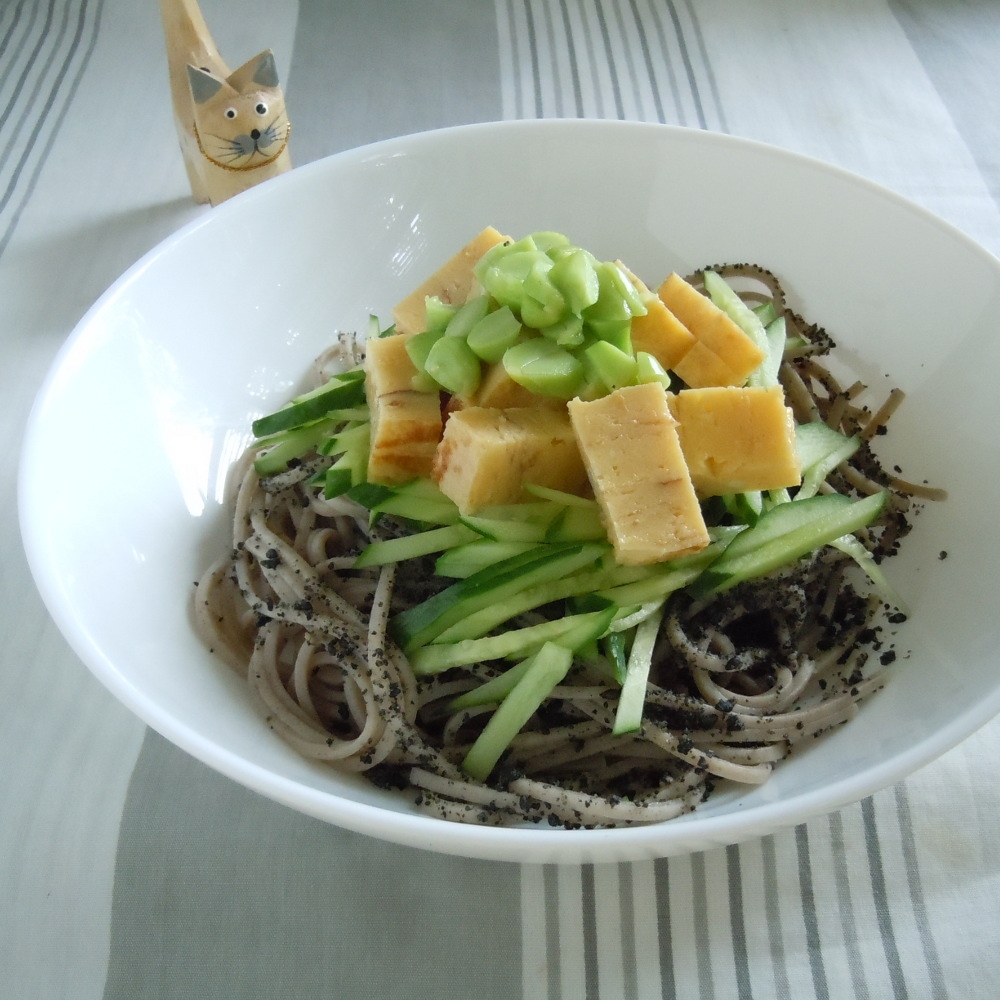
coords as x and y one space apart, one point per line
517 621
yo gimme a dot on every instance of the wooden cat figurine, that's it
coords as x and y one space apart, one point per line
232 125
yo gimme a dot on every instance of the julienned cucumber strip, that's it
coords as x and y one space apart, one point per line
556 588
663 580
776 336
577 524
744 317
558 496
492 692
353 436
419 500
289 445
547 669
784 534
616 647
821 449
492 586
347 389
509 531
571 631
500 529
852 546
420 543
628 716
351 467
416 509
746 508
597 583
464 560
778 522
371 494
766 312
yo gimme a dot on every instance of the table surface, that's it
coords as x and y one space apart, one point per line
129 870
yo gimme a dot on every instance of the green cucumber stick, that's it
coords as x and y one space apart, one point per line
787 532
571 631
567 332
821 449
550 665
628 717
745 318
412 546
289 445
344 390
492 587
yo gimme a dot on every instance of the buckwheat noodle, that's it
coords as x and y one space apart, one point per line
736 682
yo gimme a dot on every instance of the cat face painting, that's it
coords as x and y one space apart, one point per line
240 128
240 121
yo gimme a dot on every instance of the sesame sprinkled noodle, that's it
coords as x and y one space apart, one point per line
736 680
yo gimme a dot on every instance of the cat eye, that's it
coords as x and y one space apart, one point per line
230 112
261 109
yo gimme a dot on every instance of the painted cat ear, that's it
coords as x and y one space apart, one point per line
260 70
204 86
266 73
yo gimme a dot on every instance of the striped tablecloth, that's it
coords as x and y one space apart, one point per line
128 870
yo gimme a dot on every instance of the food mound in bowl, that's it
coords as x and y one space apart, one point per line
554 547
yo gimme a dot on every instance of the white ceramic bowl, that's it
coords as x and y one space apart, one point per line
121 492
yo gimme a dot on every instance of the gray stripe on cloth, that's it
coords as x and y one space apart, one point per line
221 893
917 900
653 13
612 58
7 65
713 106
626 903
662 870
589 911
772 916
702 927
845 906
820 986
737 925
37 41
57 71
532 39
435 64
573 63
647 59
882 912
702 121
629 59
552 950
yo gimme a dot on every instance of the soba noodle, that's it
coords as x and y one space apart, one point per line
737 680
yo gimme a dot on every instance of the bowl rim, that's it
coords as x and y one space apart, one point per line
694 831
